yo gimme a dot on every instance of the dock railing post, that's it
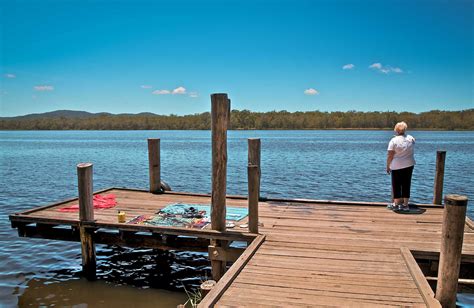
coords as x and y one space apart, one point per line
219 124
439 177
254 175
254 189
154 165
454 218
86 213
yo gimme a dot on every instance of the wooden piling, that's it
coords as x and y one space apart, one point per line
219 159
206 287
86 214
454 218
229 113
219 124
154 165
439 177
254 189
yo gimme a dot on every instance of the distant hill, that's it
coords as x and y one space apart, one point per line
241 119
57 114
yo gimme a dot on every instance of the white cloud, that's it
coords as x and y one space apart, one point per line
179 90
348 66
376 66
387 69
145 86
397 70
161 92
311 91
43 88
10 75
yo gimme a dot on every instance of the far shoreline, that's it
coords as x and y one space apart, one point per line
246 129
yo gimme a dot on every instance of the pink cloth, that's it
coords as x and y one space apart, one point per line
99 201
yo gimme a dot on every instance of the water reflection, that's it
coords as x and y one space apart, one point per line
82 293
126 278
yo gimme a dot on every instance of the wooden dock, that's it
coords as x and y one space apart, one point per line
299 252
310 253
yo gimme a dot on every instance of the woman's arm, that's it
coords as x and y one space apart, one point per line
390 155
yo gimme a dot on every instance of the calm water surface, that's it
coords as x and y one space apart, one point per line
39 167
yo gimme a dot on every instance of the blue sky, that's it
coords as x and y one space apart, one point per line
169 56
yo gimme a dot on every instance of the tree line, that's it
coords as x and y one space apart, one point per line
245 119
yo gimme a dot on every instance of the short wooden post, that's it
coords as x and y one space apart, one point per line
206 287
86 213
219 124
254 188
439 177
454 218
154 165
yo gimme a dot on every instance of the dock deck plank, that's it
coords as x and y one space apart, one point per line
314 254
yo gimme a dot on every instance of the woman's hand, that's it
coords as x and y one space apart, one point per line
390 155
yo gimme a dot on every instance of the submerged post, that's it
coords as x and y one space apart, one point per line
254 189
454 218
86 213
219 124
439 177
154 165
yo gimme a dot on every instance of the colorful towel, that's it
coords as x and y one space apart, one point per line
232 213
99 201
169 221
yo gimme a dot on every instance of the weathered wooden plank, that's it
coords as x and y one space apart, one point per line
248 288
229 276
419 279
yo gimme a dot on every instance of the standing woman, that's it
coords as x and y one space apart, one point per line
400 163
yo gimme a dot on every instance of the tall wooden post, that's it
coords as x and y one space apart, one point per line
154 165
439 177
229 113
219 124
86 213
454 218
254 189
253 182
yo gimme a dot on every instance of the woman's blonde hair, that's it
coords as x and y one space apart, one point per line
400 128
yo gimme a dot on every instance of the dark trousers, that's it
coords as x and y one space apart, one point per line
401 182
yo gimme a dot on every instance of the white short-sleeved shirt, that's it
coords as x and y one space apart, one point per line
404 146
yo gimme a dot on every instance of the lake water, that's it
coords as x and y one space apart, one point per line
39 167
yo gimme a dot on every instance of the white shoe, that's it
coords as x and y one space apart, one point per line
392 206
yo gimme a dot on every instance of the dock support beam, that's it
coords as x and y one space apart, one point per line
439 177
154 165
86 213
454 218
220 107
